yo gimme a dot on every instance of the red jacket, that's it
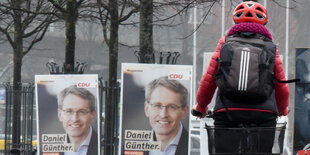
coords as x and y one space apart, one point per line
207 85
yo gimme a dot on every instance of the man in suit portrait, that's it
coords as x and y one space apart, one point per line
76 112
166 106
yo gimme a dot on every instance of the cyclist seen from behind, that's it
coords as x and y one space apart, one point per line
246 70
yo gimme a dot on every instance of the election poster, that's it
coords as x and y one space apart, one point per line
2 109
67 114
2 95
155 105
302 101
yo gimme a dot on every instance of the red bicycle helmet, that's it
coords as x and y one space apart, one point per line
250 11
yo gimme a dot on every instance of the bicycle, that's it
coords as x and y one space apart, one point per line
249 136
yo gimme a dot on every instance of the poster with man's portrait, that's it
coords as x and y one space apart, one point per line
67 114
302 101
155 105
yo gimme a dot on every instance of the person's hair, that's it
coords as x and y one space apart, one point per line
81 92
173 85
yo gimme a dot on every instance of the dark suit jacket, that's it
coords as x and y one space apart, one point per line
182 148
93 145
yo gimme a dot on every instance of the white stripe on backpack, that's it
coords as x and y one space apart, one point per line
244 69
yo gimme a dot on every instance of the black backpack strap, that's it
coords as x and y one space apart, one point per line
226 108
288 81
223 63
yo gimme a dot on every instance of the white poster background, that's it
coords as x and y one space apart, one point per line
47 87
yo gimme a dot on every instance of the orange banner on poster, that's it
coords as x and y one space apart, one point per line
133 153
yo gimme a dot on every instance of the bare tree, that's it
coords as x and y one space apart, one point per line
146 32
23 24
111 14
70 11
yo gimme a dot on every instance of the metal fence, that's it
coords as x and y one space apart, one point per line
110 97
20 121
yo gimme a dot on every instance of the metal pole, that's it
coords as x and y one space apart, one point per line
194 59
223 18
194 53
287 37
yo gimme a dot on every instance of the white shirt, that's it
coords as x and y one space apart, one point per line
172 147
84 146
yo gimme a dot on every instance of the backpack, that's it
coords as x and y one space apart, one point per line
245 71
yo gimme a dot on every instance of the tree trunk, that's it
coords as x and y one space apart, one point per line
70 21
112 102
146 32
113 42
17 58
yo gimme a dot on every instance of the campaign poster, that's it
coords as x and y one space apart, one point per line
2 109
67 114
302 101
155 109
2 95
